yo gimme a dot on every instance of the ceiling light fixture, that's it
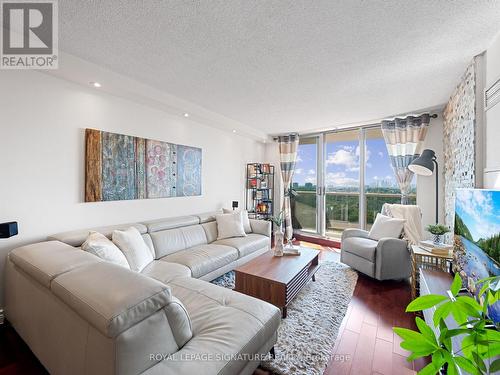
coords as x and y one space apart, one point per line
186 114
95 84
234 130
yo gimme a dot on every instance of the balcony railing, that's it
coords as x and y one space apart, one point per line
341 209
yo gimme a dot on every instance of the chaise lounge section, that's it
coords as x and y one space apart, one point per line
81 315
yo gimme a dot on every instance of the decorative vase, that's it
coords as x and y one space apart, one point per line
437 239
278 242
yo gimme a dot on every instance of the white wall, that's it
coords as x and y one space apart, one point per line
426 186
42 158
493 115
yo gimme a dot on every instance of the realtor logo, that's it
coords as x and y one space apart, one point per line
29 34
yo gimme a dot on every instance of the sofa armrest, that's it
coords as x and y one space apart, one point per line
97 294
261 227
353 232
393 259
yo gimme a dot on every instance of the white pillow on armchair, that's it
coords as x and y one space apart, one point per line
386 227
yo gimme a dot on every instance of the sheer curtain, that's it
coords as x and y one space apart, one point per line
288 145
403 138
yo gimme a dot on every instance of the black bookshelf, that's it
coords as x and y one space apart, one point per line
260 190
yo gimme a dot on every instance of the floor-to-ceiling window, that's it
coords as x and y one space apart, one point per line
342 179
304 204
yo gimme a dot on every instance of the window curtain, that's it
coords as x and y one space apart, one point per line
403 138
288 145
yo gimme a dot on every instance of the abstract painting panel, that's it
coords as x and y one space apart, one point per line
120 167
160 169
189 171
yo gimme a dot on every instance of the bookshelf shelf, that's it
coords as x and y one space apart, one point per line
259 190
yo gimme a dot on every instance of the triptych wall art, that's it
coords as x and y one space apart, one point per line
121 167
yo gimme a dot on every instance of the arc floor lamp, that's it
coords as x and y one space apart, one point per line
424 166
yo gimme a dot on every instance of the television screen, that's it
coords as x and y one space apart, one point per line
477 238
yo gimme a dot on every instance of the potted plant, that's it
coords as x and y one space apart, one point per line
278 233
437 231
480 338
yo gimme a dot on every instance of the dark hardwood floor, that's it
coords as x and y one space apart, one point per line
365 343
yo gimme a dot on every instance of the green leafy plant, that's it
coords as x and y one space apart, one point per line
480 340
278 219
438 229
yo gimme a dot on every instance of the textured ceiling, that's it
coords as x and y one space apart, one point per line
286 65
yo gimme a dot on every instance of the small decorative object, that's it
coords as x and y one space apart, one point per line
478 335
437 231
278 234
235 205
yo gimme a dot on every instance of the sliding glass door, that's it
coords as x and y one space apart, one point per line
342 179
305 183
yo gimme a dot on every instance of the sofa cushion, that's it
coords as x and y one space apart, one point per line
132 244
230 225
166 271
99 245
46 260
170 223
203 259
78 237
225 324
362 247
244 218
110 297
246 245
210 231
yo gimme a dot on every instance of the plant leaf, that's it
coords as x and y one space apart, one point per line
430 369
441 313
470 302
467 365
426 330
425 302
495 366
456 285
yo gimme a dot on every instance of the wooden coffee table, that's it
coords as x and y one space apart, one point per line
277 280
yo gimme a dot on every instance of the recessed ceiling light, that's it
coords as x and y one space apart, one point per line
95 84
186 114
234 130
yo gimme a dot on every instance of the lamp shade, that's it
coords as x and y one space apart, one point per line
424 164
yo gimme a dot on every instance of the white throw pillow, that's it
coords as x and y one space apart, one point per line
99 245
244 217
386 227
133 247
230 225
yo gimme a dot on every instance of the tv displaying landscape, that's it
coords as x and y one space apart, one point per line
477 238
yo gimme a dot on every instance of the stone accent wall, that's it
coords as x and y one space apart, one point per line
459 135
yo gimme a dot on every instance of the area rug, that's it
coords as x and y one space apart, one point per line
307 336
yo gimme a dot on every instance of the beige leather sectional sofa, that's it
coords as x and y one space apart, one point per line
82 315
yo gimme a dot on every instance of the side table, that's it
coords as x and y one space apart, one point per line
423 259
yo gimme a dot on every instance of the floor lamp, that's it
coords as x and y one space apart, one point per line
424 166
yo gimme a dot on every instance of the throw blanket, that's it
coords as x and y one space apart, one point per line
413 225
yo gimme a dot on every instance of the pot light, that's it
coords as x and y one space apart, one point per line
95 84
186 114
234 130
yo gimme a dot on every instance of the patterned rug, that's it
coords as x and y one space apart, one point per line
307 336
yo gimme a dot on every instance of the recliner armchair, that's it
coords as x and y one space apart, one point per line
386 259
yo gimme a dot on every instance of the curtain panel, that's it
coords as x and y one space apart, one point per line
404 140
288 145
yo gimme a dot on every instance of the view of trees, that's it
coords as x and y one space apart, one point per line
341 207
